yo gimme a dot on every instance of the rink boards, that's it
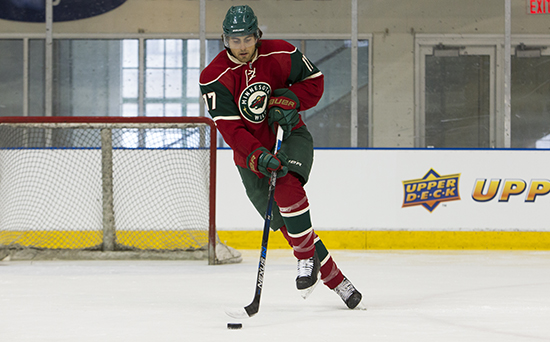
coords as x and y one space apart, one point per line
410 198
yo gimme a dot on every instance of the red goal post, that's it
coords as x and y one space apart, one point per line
154 176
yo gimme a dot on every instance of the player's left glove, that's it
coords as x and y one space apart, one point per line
283 109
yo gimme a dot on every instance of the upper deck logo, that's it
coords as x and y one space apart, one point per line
253 102
431 190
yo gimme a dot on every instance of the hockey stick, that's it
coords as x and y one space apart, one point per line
254 307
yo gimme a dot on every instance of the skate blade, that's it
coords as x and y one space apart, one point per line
306 292
360 306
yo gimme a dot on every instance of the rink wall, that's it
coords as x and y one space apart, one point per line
407 199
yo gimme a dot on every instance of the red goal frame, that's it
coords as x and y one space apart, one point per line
212 236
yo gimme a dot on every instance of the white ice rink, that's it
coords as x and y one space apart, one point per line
410 296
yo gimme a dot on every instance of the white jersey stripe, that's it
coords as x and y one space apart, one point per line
235 117
314 75
217 78
277 52
254 59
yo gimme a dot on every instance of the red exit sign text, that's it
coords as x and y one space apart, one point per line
538 6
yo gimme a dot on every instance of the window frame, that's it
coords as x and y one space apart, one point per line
501 124
143 37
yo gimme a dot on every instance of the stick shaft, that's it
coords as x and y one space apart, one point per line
254 307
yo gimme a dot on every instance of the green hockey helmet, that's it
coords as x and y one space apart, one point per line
240 21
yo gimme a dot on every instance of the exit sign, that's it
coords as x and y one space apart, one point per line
538 6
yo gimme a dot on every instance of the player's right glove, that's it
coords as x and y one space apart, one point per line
283 109
261 160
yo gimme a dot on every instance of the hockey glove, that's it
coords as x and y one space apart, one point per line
283 109
261 160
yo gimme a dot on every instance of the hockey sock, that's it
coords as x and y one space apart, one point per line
330 273
285 234
294 208
300 234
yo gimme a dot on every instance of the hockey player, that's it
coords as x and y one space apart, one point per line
248 88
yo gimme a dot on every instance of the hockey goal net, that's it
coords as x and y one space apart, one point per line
109 187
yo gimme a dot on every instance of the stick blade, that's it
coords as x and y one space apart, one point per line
238 313
253 308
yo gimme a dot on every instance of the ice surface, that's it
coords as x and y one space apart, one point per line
410 296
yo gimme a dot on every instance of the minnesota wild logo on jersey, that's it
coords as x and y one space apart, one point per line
253 101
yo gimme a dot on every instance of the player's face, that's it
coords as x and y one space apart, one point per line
243 47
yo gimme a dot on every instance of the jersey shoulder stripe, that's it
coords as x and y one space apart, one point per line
209 74
276 52
314 75
276 46
217 68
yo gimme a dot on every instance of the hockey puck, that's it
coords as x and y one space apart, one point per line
234 325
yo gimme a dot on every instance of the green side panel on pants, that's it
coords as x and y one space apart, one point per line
298 148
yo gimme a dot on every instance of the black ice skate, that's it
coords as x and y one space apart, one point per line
348 293
308 272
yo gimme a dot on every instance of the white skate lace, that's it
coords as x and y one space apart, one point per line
345 289
305 267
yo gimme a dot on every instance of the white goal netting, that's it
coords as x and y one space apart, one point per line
143 188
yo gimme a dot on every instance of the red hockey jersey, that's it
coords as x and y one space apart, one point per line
236 94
